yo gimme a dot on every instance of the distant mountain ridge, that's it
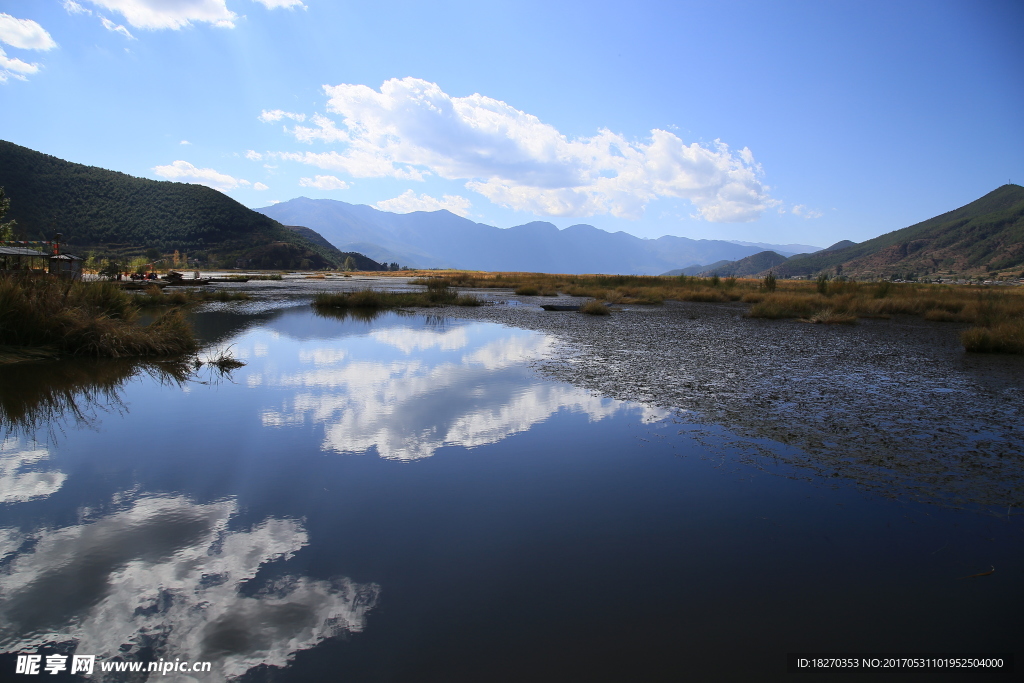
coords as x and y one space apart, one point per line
442 239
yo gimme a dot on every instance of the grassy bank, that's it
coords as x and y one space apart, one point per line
438 293
95 319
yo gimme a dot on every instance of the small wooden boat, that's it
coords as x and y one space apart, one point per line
140 284
558 307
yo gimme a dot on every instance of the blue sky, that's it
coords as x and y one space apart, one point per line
787 122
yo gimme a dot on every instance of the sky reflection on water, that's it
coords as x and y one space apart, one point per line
148 571
404 499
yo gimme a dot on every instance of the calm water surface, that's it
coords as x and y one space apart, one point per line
405 499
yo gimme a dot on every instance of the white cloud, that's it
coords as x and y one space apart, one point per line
73 7
253 155
116 28
355 163
411 128
408 202
12 67
324 182
183 171
170 14
801 210
184 142
275 4
260 187
24 34
278 114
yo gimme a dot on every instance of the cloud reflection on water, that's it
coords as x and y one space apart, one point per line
169 574
20 477
471 390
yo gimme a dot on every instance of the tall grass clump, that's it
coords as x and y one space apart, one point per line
437 294
1005 337
85 319
595 308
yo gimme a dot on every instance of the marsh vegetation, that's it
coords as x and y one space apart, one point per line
996 315
43 317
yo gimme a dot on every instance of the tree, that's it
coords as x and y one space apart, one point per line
350 263
6 229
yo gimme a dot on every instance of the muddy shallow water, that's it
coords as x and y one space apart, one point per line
895 405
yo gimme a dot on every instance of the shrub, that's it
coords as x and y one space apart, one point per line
595 308
769 282
822 283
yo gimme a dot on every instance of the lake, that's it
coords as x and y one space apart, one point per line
406 498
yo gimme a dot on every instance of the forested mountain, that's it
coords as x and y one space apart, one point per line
442 239
983 236
96 208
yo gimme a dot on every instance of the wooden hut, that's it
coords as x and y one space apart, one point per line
66 266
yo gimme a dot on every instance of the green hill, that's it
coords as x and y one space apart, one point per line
983 236
117 213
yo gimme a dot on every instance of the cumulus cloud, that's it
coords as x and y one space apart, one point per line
407 202
24 34
260 187
278 114
183 171
801 210
170 14
324 182
253 155
184 142
410 128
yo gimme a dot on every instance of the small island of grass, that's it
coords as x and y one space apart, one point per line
438 293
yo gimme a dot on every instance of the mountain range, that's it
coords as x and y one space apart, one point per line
121 214
441 239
